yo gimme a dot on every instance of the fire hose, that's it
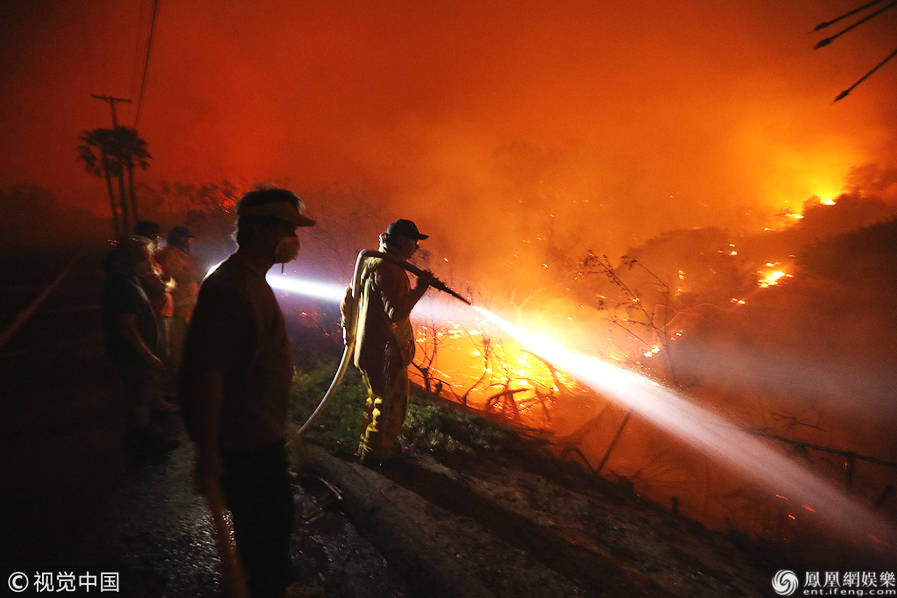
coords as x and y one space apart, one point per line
350 327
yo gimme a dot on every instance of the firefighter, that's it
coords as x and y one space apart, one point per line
385 340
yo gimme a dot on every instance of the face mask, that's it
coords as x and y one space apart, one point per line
286 250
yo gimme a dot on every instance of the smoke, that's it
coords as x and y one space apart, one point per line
816 350
522 129
31 217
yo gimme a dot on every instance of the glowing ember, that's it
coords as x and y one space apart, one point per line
652 351
794 216
772 278
827 201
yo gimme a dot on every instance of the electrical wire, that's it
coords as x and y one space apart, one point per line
138 45
825 24
832 38
146 63
844 93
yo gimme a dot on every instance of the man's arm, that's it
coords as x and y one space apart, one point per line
217 339
398 300
203 421
128 325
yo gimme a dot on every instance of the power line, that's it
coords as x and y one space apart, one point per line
825 24
138 43
149 48
832 38
865 19
844 93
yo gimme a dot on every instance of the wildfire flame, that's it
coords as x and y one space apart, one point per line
652 351
770 278
492 374
772 275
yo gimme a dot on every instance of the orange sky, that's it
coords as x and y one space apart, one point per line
597 121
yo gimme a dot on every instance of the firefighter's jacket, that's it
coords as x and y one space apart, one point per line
384 327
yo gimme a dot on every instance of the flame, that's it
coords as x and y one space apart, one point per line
494 374
822 199
772 276
652 351
770 279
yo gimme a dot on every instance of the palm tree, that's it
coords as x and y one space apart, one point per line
97 161
114 153
133 152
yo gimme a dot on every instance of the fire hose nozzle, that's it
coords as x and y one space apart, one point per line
441 286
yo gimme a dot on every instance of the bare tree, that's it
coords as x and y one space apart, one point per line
428 352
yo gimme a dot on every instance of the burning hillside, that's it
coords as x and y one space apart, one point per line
741 325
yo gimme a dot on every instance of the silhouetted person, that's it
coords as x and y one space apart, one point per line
385 340
235 381
131 333
178 265
157 286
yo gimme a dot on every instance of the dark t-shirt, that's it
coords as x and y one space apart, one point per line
238 330
123 295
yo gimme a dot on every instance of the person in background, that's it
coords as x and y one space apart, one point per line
235 382
385 340
157 286
178 265
131 334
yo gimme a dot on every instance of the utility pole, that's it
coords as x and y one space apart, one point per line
112 101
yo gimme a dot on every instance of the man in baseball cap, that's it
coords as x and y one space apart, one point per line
385 340
235 380
275 203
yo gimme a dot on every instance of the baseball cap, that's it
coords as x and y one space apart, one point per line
405 228
275 203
